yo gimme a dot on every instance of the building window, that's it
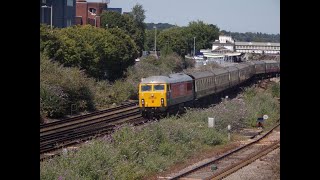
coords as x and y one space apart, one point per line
93 10
68 22
70 3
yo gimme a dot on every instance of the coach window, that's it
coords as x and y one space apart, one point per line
145 87
159 87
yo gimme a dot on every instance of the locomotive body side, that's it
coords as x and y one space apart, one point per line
180 92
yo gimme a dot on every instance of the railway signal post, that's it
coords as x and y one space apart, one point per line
229 130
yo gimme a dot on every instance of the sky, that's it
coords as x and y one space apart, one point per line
230 15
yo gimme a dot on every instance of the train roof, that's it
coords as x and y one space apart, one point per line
219 71
270 61
248 62
203 74
171 78
241 65
258 62
231 68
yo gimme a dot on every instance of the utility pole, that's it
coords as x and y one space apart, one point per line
45 6
194 46
155 40
51 17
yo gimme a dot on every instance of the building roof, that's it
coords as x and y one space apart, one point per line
221 48
256 44
227 43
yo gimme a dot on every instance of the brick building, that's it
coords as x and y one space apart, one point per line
89 12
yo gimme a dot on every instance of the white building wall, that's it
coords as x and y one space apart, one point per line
258 49
230 47
224 39
214 47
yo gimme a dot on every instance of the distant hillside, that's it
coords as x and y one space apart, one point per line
252 37
159 25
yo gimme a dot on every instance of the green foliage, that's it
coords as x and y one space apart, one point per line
53 101
173 38
103 54
160 26
49 41
61 87
260 103
181 39
250 93
204 33
173 62
111 19
103 94
138 14
166 50
275 90
133 153
125 48
149 40
132 24
122 91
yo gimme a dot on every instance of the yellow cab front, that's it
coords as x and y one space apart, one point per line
152 96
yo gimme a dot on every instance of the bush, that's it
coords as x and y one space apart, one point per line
173 62
260 103
122 91
53 101
275 90
61 87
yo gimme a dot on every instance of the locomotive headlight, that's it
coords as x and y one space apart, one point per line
142 101
162 101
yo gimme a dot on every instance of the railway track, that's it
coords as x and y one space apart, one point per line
218 168
71 131
46 126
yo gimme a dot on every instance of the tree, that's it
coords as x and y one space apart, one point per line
174 39
138 14
111 19
49 41
127 23
204 33
103 54
149 39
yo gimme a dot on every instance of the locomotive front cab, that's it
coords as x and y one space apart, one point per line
152 97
